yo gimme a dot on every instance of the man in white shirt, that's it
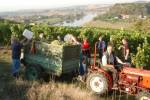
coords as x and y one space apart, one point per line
109 60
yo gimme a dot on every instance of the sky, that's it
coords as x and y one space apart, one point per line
13 5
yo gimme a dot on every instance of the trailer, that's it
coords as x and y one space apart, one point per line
54 58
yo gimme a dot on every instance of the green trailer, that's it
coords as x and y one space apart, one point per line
53 58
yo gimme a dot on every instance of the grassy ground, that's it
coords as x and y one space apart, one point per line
20 89
106 24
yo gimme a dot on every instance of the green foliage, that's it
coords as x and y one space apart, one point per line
5 33
128 8
142 57
8 28
135 38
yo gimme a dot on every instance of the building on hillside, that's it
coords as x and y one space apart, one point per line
123 16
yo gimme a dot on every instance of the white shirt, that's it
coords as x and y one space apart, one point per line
104 59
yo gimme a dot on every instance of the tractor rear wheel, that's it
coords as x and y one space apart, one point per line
143 96
33 72
97 83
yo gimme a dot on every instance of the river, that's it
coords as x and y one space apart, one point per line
87 18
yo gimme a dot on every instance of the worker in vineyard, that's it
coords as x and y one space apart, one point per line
125 50
101 47
16 47
83 65
70 39
111 41
86 48
109 62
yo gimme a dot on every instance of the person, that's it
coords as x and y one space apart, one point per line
101 47
111 40
125 50
83 69
86 48
70 39
109 62
83 66
60 38
16 47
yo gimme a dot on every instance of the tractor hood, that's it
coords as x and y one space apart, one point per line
134 71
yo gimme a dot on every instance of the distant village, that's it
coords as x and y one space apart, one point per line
127 16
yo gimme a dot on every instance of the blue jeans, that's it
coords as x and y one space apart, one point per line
15 66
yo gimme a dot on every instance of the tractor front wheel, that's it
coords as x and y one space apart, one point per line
97 83
143 96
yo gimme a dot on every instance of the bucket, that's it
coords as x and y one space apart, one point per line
28 34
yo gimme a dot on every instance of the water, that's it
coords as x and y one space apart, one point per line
88 17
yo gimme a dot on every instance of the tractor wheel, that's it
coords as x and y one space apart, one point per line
143 96
97 83
33 72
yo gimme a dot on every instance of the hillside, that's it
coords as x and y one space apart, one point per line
132 10
124 15
54 15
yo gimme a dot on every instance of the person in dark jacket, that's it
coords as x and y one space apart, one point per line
101 47
16 47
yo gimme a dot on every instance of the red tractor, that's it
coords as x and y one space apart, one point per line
131 80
